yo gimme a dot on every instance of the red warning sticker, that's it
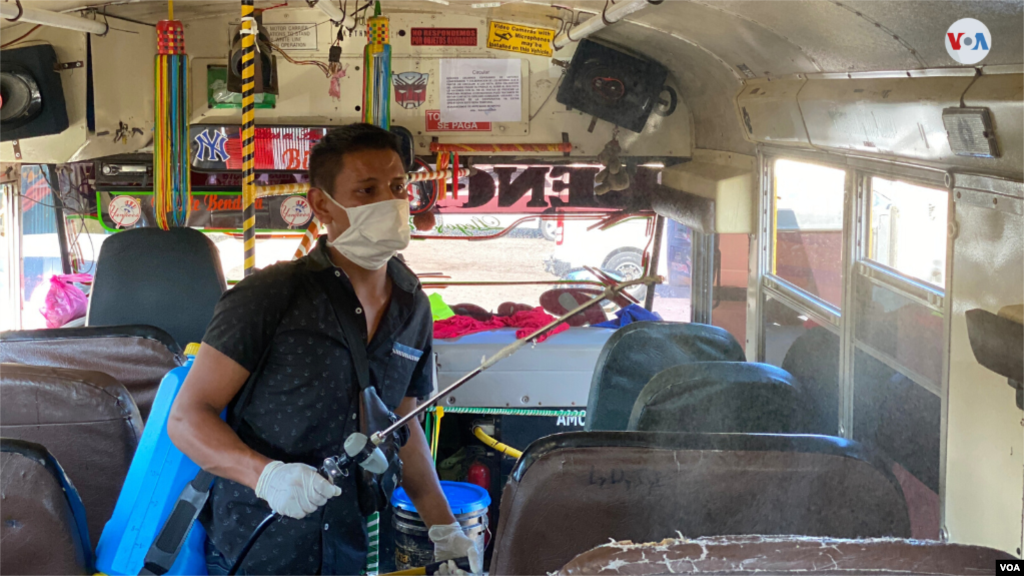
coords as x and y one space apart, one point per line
434 124
443 37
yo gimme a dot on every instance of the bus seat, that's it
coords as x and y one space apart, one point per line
638 351
44 529
813 359
136 356
721 397
86 419
785 555
573 491
171 279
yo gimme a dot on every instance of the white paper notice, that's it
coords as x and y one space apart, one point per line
481 90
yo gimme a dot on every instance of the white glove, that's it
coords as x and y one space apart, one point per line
449 568
451 542
294 490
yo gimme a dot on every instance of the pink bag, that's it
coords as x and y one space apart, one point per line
65 301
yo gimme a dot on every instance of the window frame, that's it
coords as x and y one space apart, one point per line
11 197
856 267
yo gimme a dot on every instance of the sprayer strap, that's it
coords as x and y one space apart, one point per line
353 337
165 549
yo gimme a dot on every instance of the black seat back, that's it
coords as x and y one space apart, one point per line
86 419
638 351
43 529
813 359
571 492
136 356
170 279
721 397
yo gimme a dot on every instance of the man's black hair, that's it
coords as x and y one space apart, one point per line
325 160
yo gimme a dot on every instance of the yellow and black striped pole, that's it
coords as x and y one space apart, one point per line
248 135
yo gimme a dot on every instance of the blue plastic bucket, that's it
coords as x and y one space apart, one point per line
413 547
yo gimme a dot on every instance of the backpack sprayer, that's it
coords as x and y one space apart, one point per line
365 451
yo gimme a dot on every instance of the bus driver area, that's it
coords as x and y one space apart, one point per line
511 287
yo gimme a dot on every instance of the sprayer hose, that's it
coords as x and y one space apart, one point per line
492 443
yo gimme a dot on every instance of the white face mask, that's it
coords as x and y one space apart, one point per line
375 234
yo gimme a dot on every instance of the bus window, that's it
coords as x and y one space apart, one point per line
900 327
809 227
524 254
10 299
809 350
269 250
896 414
672 299
40 247
908 229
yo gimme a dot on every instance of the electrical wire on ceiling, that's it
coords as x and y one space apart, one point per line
321 65
22 37
550 94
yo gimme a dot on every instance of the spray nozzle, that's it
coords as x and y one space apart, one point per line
363 452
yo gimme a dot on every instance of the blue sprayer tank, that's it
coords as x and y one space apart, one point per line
158 473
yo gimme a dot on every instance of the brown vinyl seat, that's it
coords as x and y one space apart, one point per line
136 356
786 555
87 420
571 492
43 529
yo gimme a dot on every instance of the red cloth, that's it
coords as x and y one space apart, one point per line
528 321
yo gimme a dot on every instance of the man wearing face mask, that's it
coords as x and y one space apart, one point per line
277 330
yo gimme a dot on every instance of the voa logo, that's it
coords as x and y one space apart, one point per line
1009 566
968 41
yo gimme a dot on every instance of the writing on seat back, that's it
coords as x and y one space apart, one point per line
571 492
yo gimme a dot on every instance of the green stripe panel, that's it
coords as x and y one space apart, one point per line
509 411
373 553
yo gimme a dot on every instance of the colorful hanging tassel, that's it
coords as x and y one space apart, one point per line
377 71
171 163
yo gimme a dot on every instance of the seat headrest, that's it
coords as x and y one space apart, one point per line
137 356
785 555
171 279
638 351
721 397
44 529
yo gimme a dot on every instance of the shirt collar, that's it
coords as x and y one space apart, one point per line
320 259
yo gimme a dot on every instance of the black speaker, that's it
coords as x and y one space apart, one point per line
32 95
612 85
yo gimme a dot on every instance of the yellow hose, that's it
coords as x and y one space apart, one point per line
418 571
492 443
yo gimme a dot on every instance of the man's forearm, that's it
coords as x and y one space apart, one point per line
420 480
214 446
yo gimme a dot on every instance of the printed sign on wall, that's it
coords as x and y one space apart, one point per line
443 37
434 124
297 36
522 39
481 90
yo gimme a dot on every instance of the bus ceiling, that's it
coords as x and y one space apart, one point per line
736 75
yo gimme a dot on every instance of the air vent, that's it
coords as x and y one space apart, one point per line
970 132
